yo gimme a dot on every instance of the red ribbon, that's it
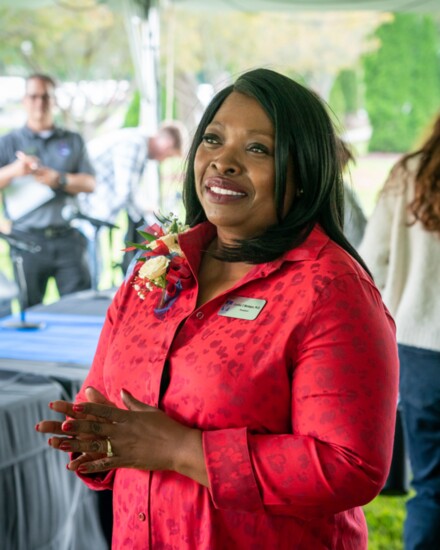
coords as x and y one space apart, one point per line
160 250
178 270
154 229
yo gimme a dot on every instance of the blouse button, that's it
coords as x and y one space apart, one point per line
199 315
141 516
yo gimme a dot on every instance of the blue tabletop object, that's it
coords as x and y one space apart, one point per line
63 338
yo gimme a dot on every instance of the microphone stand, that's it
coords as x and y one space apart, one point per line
17 244
97 224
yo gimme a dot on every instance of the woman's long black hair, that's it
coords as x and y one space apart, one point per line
304 134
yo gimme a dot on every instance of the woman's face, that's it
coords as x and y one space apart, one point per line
235 170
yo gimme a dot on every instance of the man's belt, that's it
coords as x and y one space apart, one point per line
50 232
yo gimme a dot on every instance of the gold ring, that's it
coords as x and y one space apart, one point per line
109 448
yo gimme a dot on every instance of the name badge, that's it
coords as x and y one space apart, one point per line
240 307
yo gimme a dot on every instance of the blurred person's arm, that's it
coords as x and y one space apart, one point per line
24 165
70 183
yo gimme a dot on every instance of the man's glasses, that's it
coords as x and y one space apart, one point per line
43 97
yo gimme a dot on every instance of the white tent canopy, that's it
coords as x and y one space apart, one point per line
303 5
250 5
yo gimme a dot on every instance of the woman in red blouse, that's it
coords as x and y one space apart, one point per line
250 404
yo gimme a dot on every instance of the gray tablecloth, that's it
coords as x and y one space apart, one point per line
42 505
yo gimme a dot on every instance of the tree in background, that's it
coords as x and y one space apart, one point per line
132 116
347 100
402 81
309 46
77 46
84 45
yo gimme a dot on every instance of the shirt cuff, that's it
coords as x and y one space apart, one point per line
231 477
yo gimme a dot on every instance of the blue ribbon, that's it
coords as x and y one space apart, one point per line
168 301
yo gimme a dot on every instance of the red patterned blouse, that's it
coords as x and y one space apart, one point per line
292 376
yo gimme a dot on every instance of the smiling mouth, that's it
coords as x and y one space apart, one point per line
223 191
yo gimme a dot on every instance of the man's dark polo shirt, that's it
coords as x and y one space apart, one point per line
61 150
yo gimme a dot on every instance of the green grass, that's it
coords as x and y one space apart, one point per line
385 516
368 175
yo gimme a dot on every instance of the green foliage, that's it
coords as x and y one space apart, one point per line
336 100
70 44
315 45
132 116
349 88
345 95
84 48
403 81
385 516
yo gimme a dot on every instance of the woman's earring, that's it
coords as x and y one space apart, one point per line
299 192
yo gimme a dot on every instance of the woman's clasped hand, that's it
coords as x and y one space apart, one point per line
101 436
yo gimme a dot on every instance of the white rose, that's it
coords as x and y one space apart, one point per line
154 268
170 241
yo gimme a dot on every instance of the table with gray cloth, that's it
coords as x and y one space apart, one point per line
42 505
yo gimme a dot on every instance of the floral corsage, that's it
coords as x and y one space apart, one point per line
165 265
